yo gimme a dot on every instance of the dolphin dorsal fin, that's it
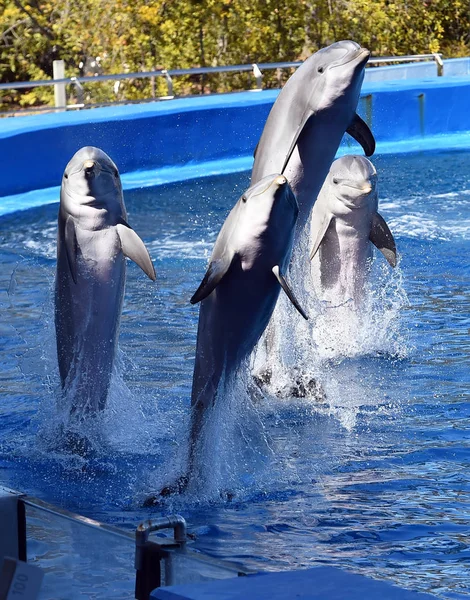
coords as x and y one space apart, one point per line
215 272
71 246
360 131
382 238
318 232
134 248
290 294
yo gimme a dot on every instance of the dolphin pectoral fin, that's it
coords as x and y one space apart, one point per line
134 248
320 232
290 294
382 238
295 139
360 131
71 247
216 270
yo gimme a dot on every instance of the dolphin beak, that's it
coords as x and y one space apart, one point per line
359 56
281 180
364 188
91 168
364 54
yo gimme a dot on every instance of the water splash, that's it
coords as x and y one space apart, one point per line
232 451
310 359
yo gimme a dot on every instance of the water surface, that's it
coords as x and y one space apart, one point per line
373 478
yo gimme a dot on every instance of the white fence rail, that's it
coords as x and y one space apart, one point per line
60 82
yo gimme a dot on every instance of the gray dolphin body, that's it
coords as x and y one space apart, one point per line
345 223
92 243
241 287
306 123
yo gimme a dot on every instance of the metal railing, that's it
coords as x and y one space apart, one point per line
436 57
256 69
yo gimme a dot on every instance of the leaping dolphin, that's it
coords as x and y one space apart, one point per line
306 123
93 240
238 294
345 223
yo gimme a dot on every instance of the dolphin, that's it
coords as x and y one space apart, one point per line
92 242
308 119
345 223
238 294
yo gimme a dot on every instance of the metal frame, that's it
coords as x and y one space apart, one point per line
153 557
256 69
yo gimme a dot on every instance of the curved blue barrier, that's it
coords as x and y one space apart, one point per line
183 138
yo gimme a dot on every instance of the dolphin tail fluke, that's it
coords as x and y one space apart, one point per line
290 294
382 238
134 248
71 247
360 131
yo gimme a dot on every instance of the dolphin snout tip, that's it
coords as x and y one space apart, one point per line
91 167
280 180
364 53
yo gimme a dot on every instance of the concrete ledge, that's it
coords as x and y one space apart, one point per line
321 583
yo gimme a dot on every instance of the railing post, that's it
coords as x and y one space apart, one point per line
169 82
60 98
258 76
79 90
439 63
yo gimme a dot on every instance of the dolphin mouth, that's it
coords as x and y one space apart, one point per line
95 204
91 167
366 188
276 181
361 56
280 181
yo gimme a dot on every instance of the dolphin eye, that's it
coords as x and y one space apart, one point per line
335 181
244 199
66 176
320 69
116 173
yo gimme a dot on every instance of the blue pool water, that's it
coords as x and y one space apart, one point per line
373 477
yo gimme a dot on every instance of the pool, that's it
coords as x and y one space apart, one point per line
374 479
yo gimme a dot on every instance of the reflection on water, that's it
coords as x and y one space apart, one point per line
371 475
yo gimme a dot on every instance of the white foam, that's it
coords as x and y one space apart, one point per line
422 226
176 246
302 352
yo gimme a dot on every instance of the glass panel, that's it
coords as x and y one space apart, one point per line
78 561
190 567
83 561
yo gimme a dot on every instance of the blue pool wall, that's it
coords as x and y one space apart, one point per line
405 115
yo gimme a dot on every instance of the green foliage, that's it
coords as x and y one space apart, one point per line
142 35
